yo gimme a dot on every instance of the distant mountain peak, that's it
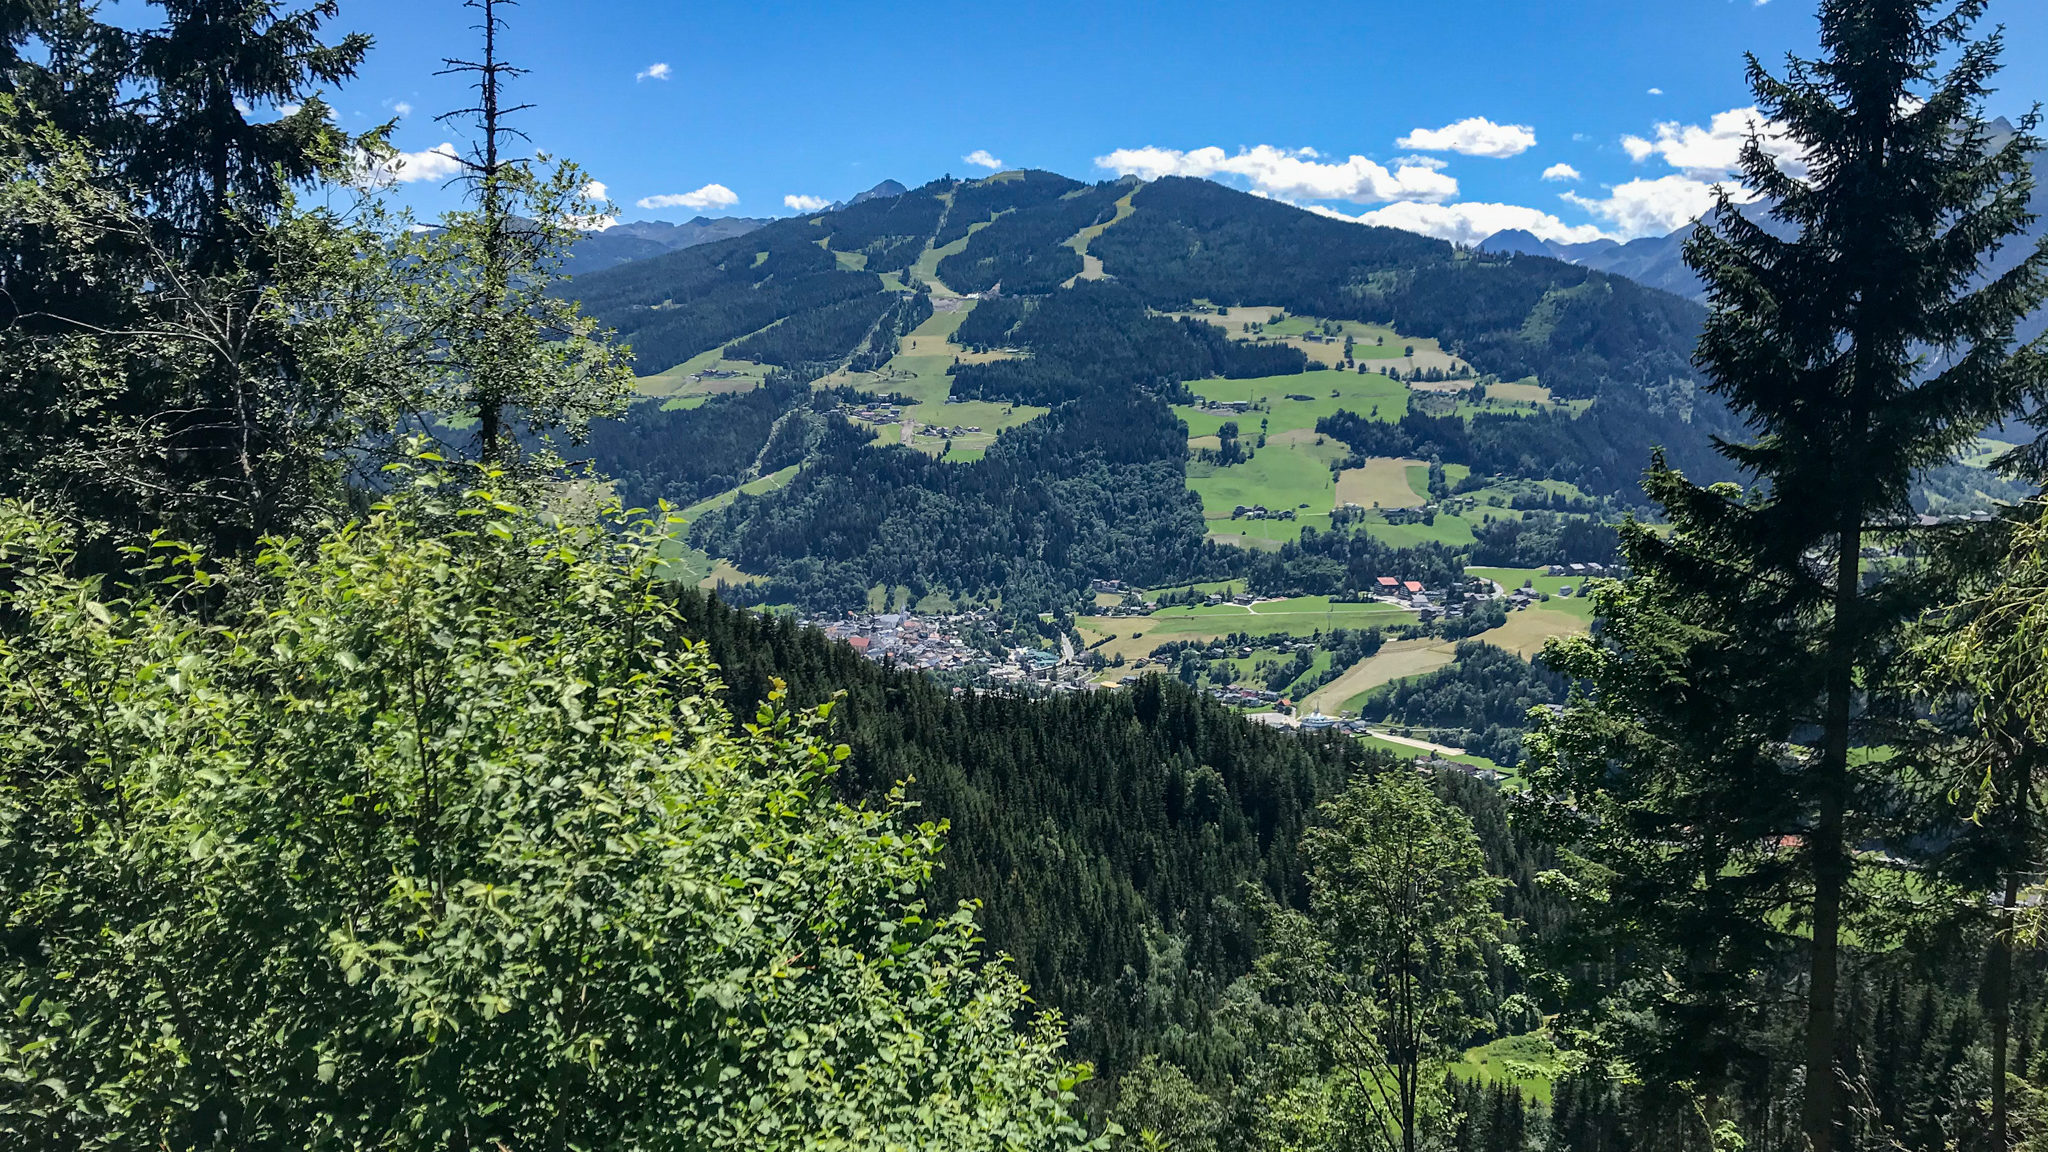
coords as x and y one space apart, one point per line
1518 240
882 191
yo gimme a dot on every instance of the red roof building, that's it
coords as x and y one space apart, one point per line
1413 585
1389 582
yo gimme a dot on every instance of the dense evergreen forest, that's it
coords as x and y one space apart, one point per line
888 232
674 306
1024 250
1097 336
1050 506
654 452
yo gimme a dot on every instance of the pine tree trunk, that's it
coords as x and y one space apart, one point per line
1998 1005
1826 844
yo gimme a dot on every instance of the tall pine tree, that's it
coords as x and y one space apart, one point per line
1714 762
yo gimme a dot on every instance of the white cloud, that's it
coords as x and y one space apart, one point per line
436 163
1655 207
596 196
1562 172
1656 91
1473 221
980 158
653 72
402 108
1293 175
709 196
1474 136
806 203
1715 151
289 109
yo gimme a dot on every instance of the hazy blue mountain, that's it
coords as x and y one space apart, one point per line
639 239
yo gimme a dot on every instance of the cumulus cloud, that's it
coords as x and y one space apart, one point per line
980 158
1714 151
1299 174
1655 207
1473 221
1656 91
402 108
436 163
806 203
653 72
1561 172
1473 136
709 196
595 196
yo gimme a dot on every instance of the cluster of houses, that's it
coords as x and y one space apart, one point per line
879 412
956 430
1238 696
1583 571
932 643
1260 512
1236 406
1042 670
1242 600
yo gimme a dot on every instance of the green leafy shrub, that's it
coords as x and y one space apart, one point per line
432 834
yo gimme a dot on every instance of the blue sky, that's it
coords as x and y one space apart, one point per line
1457 117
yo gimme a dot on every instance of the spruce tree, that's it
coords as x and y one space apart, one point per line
1980 758
1712 766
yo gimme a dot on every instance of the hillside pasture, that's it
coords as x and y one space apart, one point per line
1327 391
1303 616
1454 531
1520 392
1373 342
1285 474
918 370
1381 483
1397 660
675 383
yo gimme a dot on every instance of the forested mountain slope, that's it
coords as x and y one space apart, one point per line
1514 316
1104 307
1109 836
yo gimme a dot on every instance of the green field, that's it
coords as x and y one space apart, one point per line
1354 392
1290 473
1451 530
918 371
675 382
1529 1062
1292 470
1301 616
1413 753
1244 670
1382 483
